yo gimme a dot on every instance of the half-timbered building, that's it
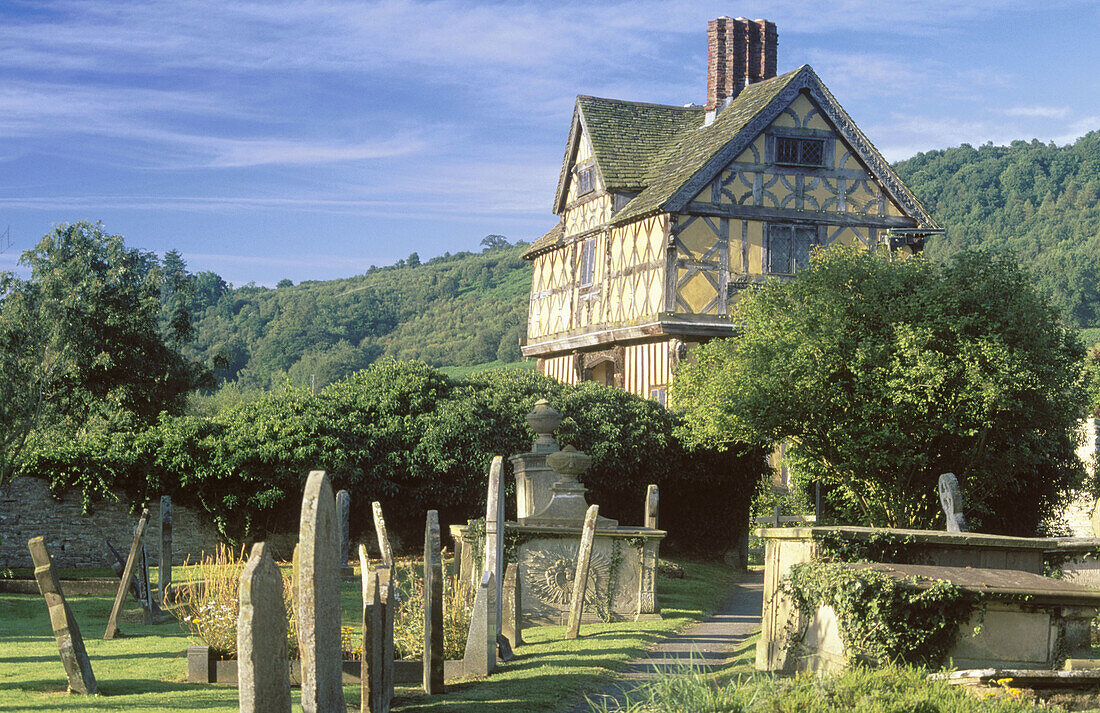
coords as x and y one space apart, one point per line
669 213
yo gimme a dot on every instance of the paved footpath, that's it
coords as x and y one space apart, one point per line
709 643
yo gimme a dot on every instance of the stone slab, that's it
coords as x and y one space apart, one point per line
70 644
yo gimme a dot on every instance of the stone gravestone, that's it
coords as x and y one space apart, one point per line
370 665
343 513
512 610
952 502
119 565
376 670
433 606
480 658
164 574
319 599
70 644
384 548
127 574
494 534
580 581
652 500
263 675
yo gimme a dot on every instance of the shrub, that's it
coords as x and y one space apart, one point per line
408 436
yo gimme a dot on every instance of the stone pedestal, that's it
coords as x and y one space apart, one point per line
533 476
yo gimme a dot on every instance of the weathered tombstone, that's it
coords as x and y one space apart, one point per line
127 574
952 502
433 606
343 512
70 644
480 657
376 671
580 581
263 675
370 666
319 599
119 565
512 623
652 499
383 535
164 573
494 534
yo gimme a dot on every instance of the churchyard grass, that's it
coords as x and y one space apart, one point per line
884 690
146 670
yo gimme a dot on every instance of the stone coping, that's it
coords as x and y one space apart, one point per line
1039 590
931 537
559 531
1021 678
1073 544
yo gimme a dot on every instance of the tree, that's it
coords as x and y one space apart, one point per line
494 242
882 374
97 305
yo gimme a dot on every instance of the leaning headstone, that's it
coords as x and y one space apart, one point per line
652 500
433 606
146 588
512 622
164 573
119 565
127 574
70 644
343 512
952 502
494 534
480 658
263 675
580 581
383 535
319 599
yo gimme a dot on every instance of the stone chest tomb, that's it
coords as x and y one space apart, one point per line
545 538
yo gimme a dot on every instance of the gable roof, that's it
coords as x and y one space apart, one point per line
669 156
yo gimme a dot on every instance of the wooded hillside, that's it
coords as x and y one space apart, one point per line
1038 200
461 309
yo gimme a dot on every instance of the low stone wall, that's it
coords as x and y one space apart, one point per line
76 540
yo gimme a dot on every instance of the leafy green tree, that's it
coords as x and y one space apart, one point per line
882 374
98 304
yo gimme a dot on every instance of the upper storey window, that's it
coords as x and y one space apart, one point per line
789 248
588 262
799 151
586 180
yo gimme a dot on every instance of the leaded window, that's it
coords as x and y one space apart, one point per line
799 151
588 262
789 247
586 180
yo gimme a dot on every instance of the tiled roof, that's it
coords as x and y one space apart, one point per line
682 159
628 137
551 240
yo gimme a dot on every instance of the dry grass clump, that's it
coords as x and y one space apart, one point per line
408 625
207 604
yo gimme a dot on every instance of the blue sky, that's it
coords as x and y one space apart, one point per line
309 140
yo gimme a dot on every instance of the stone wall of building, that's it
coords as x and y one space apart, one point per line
1079 512
75 539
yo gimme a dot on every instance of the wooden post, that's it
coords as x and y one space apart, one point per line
74 657
580 581
127 575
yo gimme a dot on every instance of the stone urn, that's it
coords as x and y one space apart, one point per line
567 505
544 420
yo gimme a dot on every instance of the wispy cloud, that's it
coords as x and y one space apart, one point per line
1039 111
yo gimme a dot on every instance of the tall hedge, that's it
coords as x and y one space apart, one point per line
408 436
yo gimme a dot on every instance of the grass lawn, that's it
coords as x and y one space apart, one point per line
145 671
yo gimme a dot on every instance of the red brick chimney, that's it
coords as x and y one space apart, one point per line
740 52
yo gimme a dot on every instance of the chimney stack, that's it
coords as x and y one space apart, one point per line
740 52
